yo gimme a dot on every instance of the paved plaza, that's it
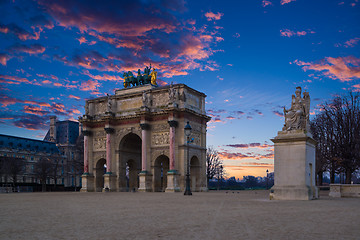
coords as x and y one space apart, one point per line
207 215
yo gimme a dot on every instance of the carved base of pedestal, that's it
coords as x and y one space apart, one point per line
293 193
145 182
172 181
109 183
87 183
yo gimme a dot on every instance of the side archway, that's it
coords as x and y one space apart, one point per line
100 170
195 173
129 162
161 167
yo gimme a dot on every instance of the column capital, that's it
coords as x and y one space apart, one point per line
109 130
87 132
145 126
173 123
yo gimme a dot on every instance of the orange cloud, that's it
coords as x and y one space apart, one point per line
74 97
13 79
343 68
35 110
4 58
90 86
213 16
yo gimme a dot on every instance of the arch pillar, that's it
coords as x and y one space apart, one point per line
144 175
86 178
109 178
172 175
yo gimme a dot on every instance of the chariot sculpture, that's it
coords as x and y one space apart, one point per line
140 79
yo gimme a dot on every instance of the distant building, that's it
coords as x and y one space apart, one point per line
68 138
29 151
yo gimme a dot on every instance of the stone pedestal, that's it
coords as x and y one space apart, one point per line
87 183
109 182
172 181
294 165
145 182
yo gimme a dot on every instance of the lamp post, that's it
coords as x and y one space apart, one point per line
267 179
187 130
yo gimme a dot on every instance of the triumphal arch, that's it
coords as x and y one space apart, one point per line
134 140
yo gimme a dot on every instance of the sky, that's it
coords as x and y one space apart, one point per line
247 56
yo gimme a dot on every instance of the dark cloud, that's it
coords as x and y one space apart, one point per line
19 32
141 32
30 49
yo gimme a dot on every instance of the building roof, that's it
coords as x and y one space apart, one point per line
27 144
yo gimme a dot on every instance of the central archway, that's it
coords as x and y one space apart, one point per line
161 167
129 162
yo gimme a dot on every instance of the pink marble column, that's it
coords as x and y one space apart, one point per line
144 133
108 149
173 125
86 154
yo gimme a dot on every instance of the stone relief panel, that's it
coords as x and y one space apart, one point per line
99 141
100 108
193 101
161 138
160 99
197 138
128 104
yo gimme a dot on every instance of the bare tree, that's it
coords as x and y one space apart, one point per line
43 169
213 163
337 130
12 167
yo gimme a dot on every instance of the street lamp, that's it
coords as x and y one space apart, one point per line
267 179
187 130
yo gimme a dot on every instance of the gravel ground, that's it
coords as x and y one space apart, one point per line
212 215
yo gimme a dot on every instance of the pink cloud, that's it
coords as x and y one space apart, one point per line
82 40
266 3
289 33
105 77
343 68
352 42
213 16
286 1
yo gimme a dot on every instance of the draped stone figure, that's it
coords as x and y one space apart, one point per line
297 116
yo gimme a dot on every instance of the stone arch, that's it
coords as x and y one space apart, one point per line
195 173
100 170
161 168
129 162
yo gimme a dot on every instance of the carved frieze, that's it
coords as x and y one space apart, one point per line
163 127
161 138
99 140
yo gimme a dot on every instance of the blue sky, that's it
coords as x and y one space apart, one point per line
247 56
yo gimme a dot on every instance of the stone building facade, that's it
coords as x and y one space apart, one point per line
30 151
134 140
65 134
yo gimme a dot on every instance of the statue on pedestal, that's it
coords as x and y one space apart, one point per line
297 116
